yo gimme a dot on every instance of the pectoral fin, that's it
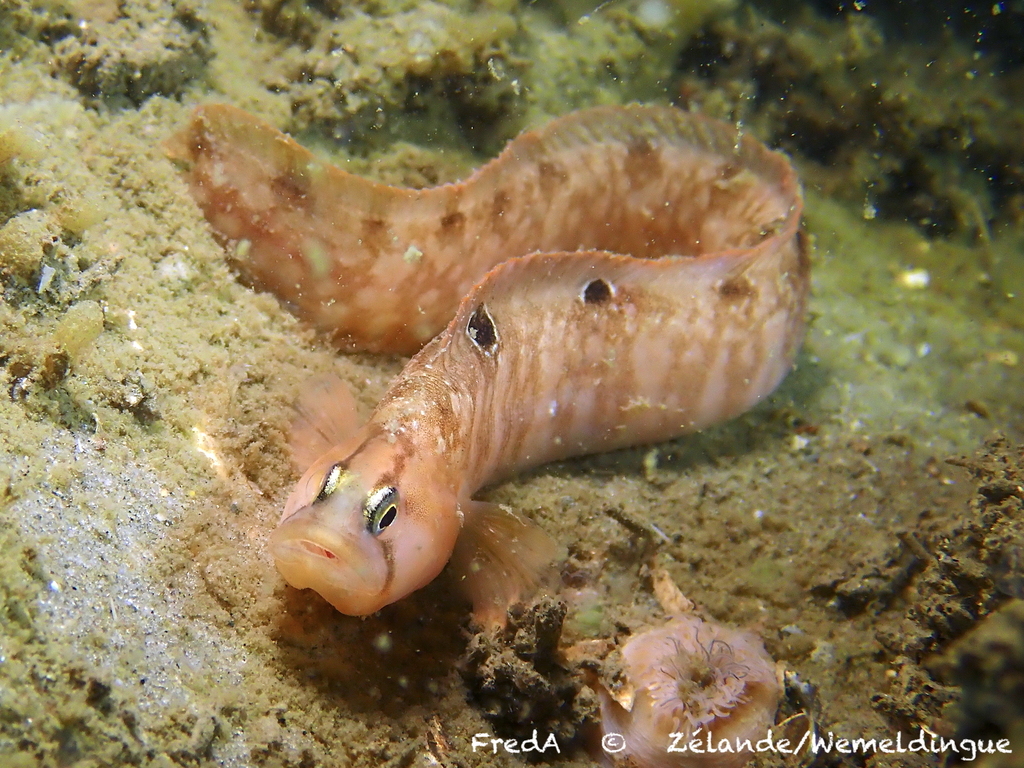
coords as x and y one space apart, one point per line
500 558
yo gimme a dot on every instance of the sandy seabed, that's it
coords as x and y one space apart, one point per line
146 402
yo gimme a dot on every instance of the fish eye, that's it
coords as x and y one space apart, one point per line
331 482
381 509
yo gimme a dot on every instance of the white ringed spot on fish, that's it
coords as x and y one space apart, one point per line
597 292
481 330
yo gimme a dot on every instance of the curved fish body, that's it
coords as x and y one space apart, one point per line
651 280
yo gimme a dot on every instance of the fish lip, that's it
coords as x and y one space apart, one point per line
349 572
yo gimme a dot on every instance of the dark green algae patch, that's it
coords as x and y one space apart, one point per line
145 394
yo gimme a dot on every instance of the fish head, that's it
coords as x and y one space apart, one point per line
357 529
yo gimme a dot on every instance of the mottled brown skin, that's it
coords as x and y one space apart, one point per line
668 294
384 268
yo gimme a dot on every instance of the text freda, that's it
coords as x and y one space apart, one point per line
515 746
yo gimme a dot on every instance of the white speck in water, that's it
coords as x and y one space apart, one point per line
45 278
174 269
552 407
915 279
660 533
654 13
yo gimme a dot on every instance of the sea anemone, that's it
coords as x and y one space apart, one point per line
688 686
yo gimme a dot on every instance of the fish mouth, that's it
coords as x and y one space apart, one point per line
347 570
315 549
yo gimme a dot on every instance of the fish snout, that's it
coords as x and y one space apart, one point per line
347 568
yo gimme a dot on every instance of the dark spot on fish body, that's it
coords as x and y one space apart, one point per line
499 203
729 171
481 330
292 190
736 288
501 223
204 139
642 163
374 234
596 292
453 223
550 176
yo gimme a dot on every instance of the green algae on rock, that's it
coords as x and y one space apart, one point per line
137 50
